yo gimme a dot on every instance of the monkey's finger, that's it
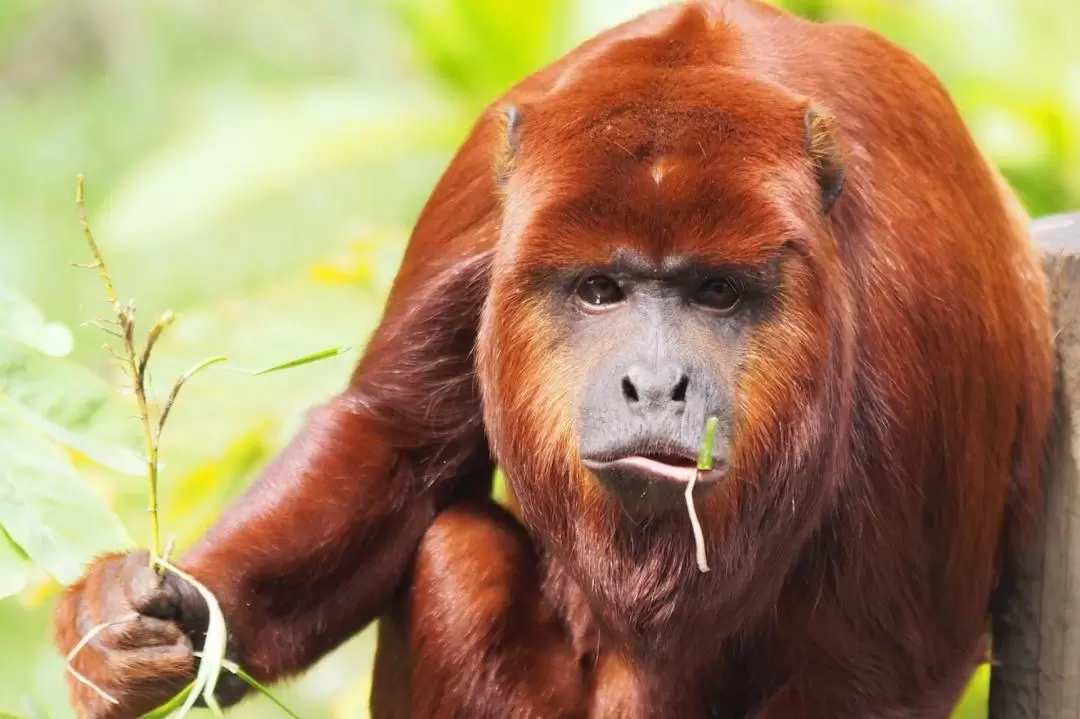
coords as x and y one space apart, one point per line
100 601
155 663
144 631
149 593
154 673
112 594
194 614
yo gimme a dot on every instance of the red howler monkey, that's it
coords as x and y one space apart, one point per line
716 209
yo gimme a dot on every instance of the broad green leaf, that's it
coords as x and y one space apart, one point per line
71 405
22 633
47 507
25 323
14 566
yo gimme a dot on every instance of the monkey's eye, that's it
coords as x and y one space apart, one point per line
598 290
720 295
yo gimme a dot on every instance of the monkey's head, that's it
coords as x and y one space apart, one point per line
666 256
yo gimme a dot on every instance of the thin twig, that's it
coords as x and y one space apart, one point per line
151 460
164 321
103 328
115 355
134 363
176 390
99 261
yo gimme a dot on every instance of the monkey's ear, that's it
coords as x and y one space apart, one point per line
825 153
511 118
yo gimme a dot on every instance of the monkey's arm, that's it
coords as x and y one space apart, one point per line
474 634
315 548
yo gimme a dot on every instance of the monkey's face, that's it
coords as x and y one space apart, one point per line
661 347
663 260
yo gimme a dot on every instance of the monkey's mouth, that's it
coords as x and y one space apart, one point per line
651 468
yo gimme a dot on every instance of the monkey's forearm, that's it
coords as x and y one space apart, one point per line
317 546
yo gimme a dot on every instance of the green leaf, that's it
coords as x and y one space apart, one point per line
705 455
306 359
254 683
213 650
24 634
22 321
14 566
71 405
166 709
500 491
973 701
47 507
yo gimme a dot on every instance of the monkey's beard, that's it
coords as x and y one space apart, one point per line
639 573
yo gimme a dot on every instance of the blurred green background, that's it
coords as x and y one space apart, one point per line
256 167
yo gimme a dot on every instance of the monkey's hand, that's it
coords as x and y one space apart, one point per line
144 654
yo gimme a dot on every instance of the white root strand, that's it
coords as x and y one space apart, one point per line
699 536
79 647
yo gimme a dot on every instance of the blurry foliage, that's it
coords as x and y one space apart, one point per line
258 169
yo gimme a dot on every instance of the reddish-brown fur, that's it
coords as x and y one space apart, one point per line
887 452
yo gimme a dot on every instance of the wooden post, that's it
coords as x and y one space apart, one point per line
1036 621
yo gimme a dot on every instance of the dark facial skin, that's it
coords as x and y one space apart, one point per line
663 346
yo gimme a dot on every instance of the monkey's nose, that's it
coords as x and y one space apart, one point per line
655 387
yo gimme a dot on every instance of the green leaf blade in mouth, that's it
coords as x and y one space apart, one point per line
705 456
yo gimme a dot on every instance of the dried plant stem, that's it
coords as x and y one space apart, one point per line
705 462
151 462
99 260
695 523
180 381
135 362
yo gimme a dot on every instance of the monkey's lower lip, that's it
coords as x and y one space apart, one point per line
668 470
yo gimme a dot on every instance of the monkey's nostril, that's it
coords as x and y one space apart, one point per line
679 395
629 390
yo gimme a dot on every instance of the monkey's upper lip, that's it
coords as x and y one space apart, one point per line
677 468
